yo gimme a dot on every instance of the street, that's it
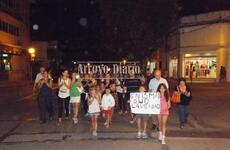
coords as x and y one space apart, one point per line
206 130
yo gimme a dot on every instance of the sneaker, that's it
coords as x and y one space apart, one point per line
131 121
144 135
94 133
120 113
59 122
138 135
75 120
181 126
163 140
105 124
160 136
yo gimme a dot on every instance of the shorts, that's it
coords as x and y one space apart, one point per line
76 99
145 117
94 114
107 112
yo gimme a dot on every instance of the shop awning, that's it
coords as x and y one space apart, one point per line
11 49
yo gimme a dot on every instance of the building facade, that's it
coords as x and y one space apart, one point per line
47 55
14 39
199 46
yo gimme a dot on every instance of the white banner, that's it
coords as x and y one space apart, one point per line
145 103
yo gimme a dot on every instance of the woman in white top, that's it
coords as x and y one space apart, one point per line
64 84
94 109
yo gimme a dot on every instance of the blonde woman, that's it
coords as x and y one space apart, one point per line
75 95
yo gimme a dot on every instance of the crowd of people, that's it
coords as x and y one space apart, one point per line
105 96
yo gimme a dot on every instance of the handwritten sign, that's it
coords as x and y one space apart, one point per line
145 103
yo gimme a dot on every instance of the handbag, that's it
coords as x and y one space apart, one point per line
175 97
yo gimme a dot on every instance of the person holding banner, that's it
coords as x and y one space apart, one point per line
164 111
132 84
142 117
153 85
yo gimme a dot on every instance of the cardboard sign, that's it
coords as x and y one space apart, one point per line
145 103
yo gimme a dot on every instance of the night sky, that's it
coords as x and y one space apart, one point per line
93 29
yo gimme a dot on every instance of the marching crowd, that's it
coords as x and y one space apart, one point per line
105 95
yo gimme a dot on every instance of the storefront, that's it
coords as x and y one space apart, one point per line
5 62
199 65
12 62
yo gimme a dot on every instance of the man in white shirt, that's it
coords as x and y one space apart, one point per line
153 85
39 76
156 81
36 87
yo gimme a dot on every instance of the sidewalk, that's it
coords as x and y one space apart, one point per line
14 90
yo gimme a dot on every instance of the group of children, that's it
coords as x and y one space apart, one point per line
98 104
102 101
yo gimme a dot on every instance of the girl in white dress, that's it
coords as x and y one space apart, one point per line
94 109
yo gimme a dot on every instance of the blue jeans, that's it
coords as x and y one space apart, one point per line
183 113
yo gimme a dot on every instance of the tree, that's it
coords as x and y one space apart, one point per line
133 28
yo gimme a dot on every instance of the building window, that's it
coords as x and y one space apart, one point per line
9 28
8 4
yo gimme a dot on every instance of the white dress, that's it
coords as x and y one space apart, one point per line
94 107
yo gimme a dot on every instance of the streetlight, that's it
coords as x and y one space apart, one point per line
32 52
124 61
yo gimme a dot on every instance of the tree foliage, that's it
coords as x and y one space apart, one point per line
133 28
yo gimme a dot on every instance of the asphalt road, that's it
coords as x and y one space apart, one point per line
21 130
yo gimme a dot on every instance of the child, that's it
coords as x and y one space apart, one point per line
164 111
141 117
107 104
94 109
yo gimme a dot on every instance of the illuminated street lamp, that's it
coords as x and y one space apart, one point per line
124 61
32 53
32 50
